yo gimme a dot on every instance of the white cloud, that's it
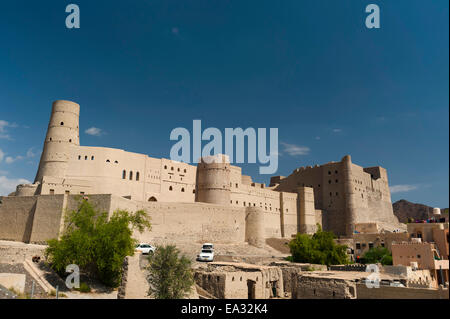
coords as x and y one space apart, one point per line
30 153
317 137
95 131
295 150
3 125
402 188
8 185
3 131
10 160
337 130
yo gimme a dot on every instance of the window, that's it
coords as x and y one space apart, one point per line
81 193
52 191
171 168
116 162
335 172
85 158
170 188
329 172
131 175
418 256
370 245
137 176
165 166
358 245
329 182
337 181
124 174
62 123
92 157
182 189
79 157
67 192
107 161
70 140
178 169
185 172
193 191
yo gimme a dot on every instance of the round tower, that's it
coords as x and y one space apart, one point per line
350 200
254 226
213 180
62 133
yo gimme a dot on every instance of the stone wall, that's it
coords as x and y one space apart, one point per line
30 218
306 287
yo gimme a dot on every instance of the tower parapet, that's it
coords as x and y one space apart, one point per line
62 132
213 180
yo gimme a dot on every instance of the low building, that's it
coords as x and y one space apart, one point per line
227 280
425 255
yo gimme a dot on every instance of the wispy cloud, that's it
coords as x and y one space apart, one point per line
402 188
94 131
295 150
337 130
30 153
8 185
10 159
3 129
175 31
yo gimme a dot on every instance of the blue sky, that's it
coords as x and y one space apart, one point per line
311 68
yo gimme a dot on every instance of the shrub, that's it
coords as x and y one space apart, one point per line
84 287
377 255
170 276
319 248
97 245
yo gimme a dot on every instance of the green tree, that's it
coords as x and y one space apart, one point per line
96 244
319 248
377 255
170 275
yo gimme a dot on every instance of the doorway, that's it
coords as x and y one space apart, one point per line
251 289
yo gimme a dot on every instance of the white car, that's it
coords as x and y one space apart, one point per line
208 246
145 248
206 255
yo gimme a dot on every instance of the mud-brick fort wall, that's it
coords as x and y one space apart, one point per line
36 219
345 192
32 219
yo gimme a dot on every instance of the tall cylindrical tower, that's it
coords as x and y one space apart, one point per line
213 180
62 133
254 226
349 196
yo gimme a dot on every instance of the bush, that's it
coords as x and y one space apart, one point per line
97 245
319 248
84 287
170 276
377 255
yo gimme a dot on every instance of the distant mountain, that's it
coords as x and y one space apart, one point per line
404 210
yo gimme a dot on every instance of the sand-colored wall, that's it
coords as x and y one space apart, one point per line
30 218
343 190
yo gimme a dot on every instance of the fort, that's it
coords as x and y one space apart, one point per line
212 201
